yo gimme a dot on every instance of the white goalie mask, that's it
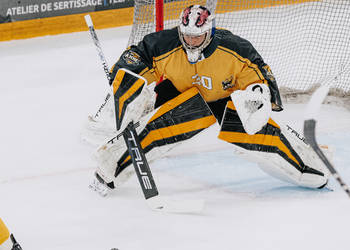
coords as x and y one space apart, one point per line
196 21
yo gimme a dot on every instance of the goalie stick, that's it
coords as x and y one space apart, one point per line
94 37
146 180
15 246
310 135
138 157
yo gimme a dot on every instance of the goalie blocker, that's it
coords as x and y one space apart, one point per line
180 116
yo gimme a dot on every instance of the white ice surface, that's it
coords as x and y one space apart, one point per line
49 85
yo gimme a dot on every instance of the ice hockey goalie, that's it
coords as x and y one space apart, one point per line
204 75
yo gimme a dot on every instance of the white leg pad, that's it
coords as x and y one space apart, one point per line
309 157
108 155
276 166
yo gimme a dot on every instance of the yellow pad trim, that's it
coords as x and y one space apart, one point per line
175 130
174 102
116 84
129 93
230 105
178 129
4 232
117 80
261 139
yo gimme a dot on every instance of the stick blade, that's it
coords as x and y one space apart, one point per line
315 102
166 205
310 135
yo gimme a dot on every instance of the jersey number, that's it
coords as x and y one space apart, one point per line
202 80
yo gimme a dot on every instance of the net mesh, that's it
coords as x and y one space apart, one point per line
306 42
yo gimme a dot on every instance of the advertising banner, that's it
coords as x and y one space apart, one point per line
20 10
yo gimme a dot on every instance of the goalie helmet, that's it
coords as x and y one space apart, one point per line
195 21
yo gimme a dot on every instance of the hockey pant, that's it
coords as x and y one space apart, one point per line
276 152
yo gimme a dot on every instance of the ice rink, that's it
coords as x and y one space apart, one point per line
49 85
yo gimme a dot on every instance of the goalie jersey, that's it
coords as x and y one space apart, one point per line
231 63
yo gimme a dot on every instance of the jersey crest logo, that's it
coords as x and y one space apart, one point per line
131 57
228 83
204 81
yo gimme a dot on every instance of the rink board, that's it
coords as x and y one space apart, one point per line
64 24
22 29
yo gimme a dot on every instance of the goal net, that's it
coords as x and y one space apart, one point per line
306 42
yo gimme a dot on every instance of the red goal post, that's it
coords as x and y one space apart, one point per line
306 42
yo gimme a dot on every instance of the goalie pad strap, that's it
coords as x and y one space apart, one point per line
177 120
268 139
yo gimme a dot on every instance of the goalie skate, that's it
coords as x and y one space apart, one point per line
102 188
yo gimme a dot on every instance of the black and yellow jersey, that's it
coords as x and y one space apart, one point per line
227 64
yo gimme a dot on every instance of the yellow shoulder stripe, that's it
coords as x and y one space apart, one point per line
245 61
161 57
